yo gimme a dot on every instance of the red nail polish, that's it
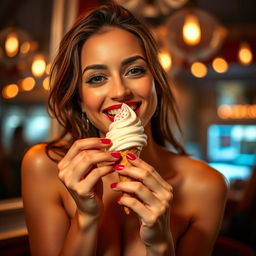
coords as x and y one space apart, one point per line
105 141
130 156
118 199
118 167
113 185
116 154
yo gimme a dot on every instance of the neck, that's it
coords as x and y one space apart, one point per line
151 151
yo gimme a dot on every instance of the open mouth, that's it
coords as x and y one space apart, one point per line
111 111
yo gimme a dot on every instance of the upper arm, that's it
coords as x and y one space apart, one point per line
208 196
46 219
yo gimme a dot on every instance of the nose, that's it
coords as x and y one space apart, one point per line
119 91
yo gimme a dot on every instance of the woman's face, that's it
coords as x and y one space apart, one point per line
114 72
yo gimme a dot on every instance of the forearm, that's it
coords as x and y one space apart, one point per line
82 237
161 249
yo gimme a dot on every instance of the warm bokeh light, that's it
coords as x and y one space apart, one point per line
198 69
245 54
48 68
46 83
38 66
237 111
25 47
10 91
28 83
12 44
191 30
220 65
165 60
224 111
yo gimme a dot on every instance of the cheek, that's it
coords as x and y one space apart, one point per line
150 95
92 100
145 88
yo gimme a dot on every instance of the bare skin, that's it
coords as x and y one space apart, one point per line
71 208
195 214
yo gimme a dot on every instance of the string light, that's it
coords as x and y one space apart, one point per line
10 91
198 69
245 54
220 65
28 83
237 111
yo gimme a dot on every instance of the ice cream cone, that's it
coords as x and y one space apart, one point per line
125 162
127 135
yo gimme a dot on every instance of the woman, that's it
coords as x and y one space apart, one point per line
72 204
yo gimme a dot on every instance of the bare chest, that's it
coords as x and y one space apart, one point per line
119 233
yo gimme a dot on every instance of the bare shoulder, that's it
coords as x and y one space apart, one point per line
199 176
208 177
37 163
200 182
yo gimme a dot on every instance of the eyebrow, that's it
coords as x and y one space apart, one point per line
123 63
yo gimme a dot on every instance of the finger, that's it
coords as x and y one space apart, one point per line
141 191
146 216
85 186
148 180
83 144
81 165
138 162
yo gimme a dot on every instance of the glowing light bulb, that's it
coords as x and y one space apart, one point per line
12 44
191 30
245 54
165 60
198 69
220 65
38 66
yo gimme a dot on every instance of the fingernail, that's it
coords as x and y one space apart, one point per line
113 185
118 199
116 154
131 156
118 167
105 141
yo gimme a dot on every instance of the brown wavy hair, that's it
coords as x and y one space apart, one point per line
66 74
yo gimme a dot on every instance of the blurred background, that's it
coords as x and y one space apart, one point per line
208 49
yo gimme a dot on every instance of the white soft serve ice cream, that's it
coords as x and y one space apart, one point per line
126 131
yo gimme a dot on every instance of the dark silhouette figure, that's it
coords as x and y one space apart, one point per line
18 148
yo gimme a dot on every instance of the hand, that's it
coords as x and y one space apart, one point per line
150 199
82 169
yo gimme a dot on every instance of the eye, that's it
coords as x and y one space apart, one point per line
136 71
97 79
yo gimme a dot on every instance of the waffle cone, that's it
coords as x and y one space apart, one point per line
125 162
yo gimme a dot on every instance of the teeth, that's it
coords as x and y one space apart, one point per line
133 107
114 112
